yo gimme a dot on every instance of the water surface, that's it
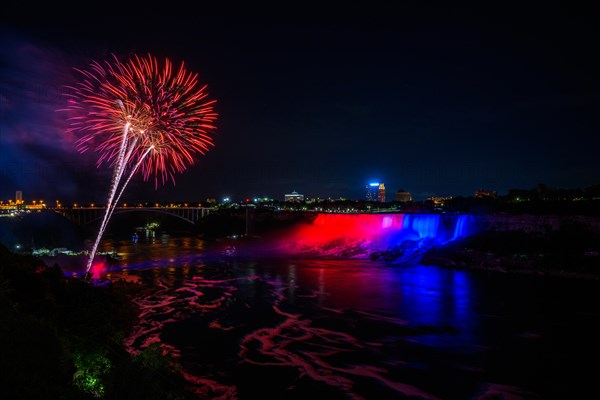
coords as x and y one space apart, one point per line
356 329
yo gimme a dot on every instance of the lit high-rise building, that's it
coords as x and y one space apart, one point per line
381 193
19 196
372 191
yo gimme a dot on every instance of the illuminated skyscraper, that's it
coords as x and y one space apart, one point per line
381 193
19 196
372 191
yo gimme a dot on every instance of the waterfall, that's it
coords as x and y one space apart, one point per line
461 228
390 236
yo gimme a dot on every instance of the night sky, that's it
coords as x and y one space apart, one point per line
434 100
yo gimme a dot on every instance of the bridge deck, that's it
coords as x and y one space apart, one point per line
86 215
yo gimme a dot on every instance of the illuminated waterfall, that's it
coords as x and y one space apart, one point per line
392 237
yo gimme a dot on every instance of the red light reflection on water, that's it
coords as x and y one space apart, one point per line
98 269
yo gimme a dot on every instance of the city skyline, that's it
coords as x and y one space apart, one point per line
437 100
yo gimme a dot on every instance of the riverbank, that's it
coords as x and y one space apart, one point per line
61 338
570 251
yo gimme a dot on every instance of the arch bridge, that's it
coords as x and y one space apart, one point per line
86 215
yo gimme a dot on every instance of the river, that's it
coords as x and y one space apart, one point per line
276 327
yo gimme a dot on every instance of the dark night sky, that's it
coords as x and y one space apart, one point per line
435 100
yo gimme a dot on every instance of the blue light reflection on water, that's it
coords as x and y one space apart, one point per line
422 296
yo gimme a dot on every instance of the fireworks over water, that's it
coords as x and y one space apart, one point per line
140 115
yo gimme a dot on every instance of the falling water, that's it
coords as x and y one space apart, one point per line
462 227
398 237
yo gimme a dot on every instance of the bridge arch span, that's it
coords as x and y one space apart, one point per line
88 215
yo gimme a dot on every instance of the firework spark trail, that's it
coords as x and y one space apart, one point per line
122 110
113 204
113 188
131 174
118 174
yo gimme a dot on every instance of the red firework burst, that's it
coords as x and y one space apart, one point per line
165 109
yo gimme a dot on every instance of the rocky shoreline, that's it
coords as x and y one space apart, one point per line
562 254
493 263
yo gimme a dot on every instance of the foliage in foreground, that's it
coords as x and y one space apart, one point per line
59 339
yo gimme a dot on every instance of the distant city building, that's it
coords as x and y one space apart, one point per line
372 191
19 196
439 202
402 196
381 193
483 193
294 196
